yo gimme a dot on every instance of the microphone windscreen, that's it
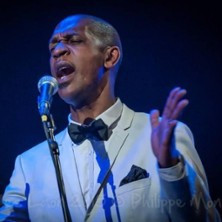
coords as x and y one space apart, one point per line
48 80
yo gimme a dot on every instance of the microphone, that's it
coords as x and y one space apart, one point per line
47 86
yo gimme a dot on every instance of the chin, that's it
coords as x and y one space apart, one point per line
71 98
66 96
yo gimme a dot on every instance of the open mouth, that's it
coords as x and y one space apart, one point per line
63 69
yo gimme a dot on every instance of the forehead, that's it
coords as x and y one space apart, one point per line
71 24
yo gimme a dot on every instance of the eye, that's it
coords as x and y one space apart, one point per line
75 41
51 49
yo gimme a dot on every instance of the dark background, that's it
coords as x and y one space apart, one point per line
165 43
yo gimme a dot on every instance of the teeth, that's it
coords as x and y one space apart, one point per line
62 68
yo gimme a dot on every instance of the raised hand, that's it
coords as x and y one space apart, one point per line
162 129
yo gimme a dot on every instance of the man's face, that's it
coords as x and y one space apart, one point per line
76 62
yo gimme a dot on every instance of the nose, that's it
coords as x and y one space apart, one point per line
60 50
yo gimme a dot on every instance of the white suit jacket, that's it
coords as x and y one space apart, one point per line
33 193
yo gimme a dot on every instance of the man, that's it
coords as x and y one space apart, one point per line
136 167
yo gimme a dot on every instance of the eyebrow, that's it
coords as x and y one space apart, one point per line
66 36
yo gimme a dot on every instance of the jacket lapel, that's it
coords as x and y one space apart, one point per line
120 134
117 140
70 176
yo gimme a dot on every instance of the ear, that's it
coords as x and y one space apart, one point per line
112 56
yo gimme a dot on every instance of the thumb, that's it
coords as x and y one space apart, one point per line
154 118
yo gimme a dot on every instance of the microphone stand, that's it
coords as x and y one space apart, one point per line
49 127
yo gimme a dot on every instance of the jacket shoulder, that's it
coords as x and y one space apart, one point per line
142 119
139 118
42 148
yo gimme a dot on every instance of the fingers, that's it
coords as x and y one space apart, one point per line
172 124
154 118
175 104
168 130
168 108
179 108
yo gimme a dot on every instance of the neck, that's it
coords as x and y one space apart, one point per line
91 110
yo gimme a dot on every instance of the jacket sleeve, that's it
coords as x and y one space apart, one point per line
184 186
16 196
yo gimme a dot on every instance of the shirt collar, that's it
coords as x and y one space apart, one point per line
109 116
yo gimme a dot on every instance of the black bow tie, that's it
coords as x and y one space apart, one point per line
97 130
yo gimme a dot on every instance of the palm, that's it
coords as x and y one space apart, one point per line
162 129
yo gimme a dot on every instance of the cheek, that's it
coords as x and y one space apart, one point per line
51 62
91 59
92 67
91 75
